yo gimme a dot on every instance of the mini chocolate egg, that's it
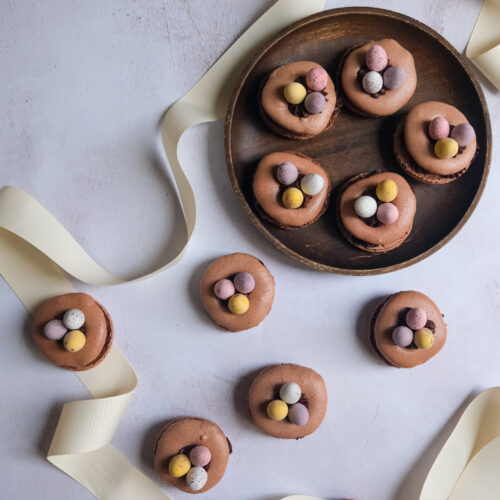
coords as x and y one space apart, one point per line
74 341
387 190
200 456
463 134
54 330
73 319
376 58
387 213
312 184
365 206
287 173
439 128
402 336
196 478
416 318
295 92
423 338
224 289
394 77
372 82
315 103
298 414
244 282
446 148
179 465
316 78
292 198
290 393
238 304
277 410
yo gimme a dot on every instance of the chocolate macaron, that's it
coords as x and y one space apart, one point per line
378 78
407 329
192 454
375 211
288 401
298 100
73 331
434 143
290 189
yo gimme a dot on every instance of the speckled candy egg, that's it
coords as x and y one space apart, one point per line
446 148
463 134
224 289
416 318
200 456
287 173
386 190
54 330
423 338
244 282
387 213
277 410
317 78
238 304
394 77
179 465
376 58
290 392
74 341
73 319
315 103
312 184
372 82
196 478
439 128
365 206
292 198
402 336
298 414
295 93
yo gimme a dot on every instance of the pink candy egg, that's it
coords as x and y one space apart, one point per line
244 282
376 58
439 128
298 414
463 134
416 318
54 330
394 77
402 336
317 78
224 289
287 173
387 213
200 456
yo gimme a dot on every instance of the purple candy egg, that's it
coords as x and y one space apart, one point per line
439 128
315 103
224 289
54 330
463 134
316 78
387 213
200 456
416 318
376 58
402 336
394 77
298 414
244 282
287 173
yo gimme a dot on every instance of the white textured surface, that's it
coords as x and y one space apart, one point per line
82 89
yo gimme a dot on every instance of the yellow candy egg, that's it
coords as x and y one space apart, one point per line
238 303
295 93
74 341
277 410
179 465
423 338
446 148
292 197
387 190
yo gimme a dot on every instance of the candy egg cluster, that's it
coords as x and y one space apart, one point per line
449 140
414 331
310 94
292 197
288 405
379 75
381 206
192 466
235 292
67 330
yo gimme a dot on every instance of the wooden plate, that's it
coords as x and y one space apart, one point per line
356 144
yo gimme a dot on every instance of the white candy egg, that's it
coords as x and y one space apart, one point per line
365 206
372 82
73 319
290 393
312 184
196 478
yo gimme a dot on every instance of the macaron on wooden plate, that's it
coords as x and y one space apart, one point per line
355 144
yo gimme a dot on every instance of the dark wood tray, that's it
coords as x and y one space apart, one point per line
356 144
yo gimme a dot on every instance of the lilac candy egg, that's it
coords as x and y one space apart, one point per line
402 336
287 173
394 77
315 103
416 318
463 134
298 414
224 289
200 456
387 213
439 128
317 78
376 58
244 282
54 330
